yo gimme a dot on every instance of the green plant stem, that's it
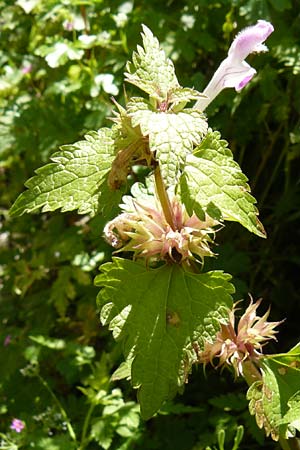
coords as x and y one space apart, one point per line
251 372
86 426
284 444
164 199
60 407
290 444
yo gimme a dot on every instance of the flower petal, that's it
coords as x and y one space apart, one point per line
237 76
250 40
234 71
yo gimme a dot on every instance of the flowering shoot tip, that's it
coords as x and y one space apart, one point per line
236 344
143 229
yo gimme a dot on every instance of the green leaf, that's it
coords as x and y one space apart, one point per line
55 443
118 417
53 343
275 401
214 182
102 432
185 95
150 69
171 136
63 290
73 179
159 314
292 417
281 5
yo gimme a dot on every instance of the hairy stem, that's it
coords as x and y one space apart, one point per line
164 198
251 372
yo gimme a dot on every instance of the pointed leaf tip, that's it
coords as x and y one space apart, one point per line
73 180
212 179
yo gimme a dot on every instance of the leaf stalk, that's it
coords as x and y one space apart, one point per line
164 198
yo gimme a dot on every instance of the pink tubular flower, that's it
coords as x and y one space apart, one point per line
235 345
26 69
143 229
7 340
234 71
17 425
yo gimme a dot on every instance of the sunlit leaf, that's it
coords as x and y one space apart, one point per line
158 314
72 180
214 182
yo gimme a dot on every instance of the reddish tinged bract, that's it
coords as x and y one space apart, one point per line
145 231
235 345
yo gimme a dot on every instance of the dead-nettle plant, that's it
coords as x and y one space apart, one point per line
155 294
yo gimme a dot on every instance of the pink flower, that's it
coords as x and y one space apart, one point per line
27 69
68 25
234 71
143 229
17 425
7 340
236 344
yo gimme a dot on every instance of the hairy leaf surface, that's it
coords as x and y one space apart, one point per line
214 182
275 401
159 313
73 179
171 136
150 69
185 95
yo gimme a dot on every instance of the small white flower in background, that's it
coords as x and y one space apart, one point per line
121 18
106 82
62 52
74 23
234 71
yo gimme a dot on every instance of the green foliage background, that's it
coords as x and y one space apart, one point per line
60 63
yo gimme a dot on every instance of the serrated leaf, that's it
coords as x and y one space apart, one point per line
108 199
292 417
123 371
159 313
63 290
171 136
214 182
275 400
150 69
102 432
184 95
73 179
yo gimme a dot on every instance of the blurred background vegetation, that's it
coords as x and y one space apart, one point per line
61 61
